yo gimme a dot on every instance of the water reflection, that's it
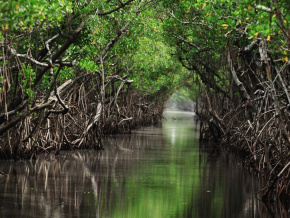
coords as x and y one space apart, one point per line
156 172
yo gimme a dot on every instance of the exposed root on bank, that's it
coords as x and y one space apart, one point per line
253 117
76 115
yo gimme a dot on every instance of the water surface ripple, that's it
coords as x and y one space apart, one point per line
158 171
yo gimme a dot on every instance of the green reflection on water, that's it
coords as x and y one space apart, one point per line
156 172
167 184
177 177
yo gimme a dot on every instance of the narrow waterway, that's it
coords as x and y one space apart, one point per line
158 171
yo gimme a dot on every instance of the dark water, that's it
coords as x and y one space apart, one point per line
155 172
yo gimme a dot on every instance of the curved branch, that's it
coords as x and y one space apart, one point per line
241 86
111 44
70 40
114 10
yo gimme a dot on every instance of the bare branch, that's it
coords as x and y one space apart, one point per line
250 47
112 11
111 43
48 48
183 40
32 60
70 40
263 8
236 79
190 22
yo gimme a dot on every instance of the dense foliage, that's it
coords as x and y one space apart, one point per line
74 70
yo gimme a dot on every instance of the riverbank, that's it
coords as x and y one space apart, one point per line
257 142
79 121
158 171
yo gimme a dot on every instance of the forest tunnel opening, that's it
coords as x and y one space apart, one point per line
181 100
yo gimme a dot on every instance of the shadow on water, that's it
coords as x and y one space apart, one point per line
158 171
